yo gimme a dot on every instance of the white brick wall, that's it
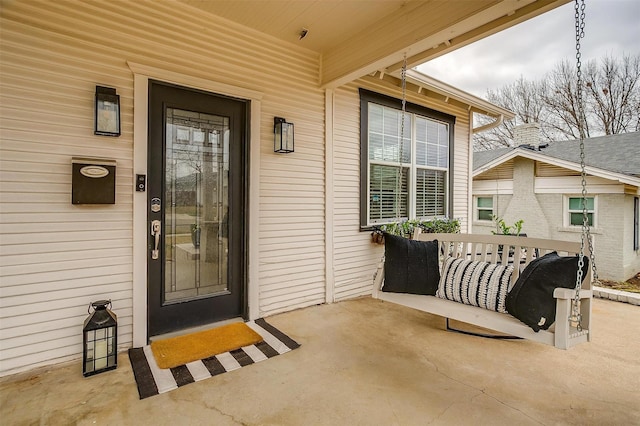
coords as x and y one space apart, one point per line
527 134
608 242
608 234
631 260
524 204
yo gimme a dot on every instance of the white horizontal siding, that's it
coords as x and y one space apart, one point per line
292 205
353 253
355 256
56 257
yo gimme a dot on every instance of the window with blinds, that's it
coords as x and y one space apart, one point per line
407 162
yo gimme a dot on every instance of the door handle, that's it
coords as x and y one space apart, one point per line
155 232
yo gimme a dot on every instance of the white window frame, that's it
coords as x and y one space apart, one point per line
476 208
567 212
413 111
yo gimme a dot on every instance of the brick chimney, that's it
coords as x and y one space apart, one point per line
527 134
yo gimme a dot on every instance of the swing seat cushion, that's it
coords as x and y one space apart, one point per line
531 298
475 283
410 266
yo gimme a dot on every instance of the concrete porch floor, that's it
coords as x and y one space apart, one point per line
367 362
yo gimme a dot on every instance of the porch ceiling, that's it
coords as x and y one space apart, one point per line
357 37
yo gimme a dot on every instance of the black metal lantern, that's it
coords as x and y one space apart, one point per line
107 112
99 339
283 135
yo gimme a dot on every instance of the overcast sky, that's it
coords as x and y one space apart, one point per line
532 48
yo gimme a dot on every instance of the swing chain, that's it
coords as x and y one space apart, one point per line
403 80
576 316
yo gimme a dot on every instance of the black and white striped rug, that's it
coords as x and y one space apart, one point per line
152 380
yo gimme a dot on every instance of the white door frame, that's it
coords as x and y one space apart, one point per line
142 74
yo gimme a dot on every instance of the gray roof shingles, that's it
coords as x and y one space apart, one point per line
615 153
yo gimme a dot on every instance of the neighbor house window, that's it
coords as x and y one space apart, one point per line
405 170
575 211
484 208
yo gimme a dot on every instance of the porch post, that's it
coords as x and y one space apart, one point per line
470 218
328 196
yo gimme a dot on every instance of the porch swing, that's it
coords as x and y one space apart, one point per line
556 275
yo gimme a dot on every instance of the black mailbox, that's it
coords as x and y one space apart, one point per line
93 181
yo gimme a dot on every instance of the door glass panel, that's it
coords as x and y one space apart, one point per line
196 217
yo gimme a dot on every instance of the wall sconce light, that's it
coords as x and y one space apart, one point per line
107 118
100 339
283 135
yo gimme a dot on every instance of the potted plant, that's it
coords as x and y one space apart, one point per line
377 236
504 229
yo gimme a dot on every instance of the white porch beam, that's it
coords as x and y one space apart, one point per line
424 30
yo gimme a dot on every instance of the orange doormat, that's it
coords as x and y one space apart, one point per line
181 350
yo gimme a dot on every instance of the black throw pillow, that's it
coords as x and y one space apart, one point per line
531 298
410 266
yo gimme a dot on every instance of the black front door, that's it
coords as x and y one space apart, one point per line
196 208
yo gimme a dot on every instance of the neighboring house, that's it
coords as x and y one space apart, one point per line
541 184
200 85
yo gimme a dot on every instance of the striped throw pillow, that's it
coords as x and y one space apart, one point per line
475 283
